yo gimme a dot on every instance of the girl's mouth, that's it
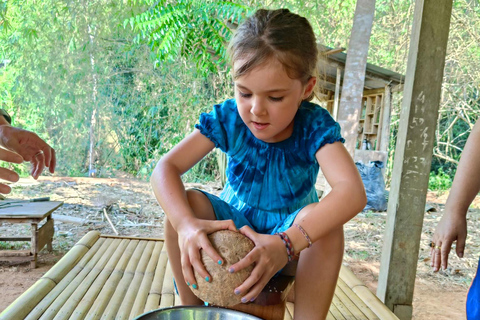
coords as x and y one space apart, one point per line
259 126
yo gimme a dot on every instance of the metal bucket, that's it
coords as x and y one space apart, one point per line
195 313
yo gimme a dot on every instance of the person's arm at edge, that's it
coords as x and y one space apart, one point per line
346 199
466 185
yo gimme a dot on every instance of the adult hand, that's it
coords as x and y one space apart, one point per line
30 146
269 257
452 227
192 237
7 174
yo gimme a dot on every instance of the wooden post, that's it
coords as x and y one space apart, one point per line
413 154
386 116
336 100
354 74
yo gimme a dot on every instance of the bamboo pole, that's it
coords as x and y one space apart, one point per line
349 304
64 296
289 311
93 292
117 298
374 303
141 299
369 314
91 273
108 289
132 291
132 238
350 279
41 307
336 314
153 299
30 298
342 308
167 296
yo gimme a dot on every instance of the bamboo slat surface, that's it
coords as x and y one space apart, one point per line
105 277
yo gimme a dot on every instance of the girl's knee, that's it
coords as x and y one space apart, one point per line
200 204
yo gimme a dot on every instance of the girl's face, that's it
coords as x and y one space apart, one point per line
268 99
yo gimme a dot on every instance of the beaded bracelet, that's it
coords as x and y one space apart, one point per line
288 245
304 234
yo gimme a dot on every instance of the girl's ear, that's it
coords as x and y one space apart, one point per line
309 87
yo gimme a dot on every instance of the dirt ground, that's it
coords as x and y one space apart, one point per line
134 211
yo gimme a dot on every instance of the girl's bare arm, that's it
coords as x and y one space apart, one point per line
346 199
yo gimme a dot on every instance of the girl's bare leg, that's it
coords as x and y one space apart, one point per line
316 276
203 210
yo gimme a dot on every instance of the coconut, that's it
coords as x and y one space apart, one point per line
232 247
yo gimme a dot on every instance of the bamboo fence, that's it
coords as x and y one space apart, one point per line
105 277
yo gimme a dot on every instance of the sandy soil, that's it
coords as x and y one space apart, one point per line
133 210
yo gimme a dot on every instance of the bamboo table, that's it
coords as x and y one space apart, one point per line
111 277
33 213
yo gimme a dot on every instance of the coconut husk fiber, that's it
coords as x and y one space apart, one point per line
232 247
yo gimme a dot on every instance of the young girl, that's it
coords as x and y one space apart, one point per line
275 141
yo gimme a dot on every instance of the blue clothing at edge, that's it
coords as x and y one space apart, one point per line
267 183
473 298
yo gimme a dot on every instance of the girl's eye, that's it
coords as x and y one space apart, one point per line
276 99
245 95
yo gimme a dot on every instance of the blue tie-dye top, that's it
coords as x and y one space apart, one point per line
270 176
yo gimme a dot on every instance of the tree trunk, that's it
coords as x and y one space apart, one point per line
93 119
354 77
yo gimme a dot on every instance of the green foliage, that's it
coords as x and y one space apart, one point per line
197 30
138 73
439 180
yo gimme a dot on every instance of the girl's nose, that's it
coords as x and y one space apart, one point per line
257 108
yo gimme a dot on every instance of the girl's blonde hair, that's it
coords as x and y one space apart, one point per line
278 34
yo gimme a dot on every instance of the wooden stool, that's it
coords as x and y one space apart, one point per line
33 213
271 302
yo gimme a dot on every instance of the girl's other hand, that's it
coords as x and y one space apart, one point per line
192 237
269 256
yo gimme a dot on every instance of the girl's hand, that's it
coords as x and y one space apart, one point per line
452 227
269 256
192 237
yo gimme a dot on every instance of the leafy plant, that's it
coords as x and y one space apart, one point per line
439 180
196 30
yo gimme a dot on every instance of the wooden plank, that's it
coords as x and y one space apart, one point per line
45 234
29 210
413 153
33 245
16 239
336 100
14 253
